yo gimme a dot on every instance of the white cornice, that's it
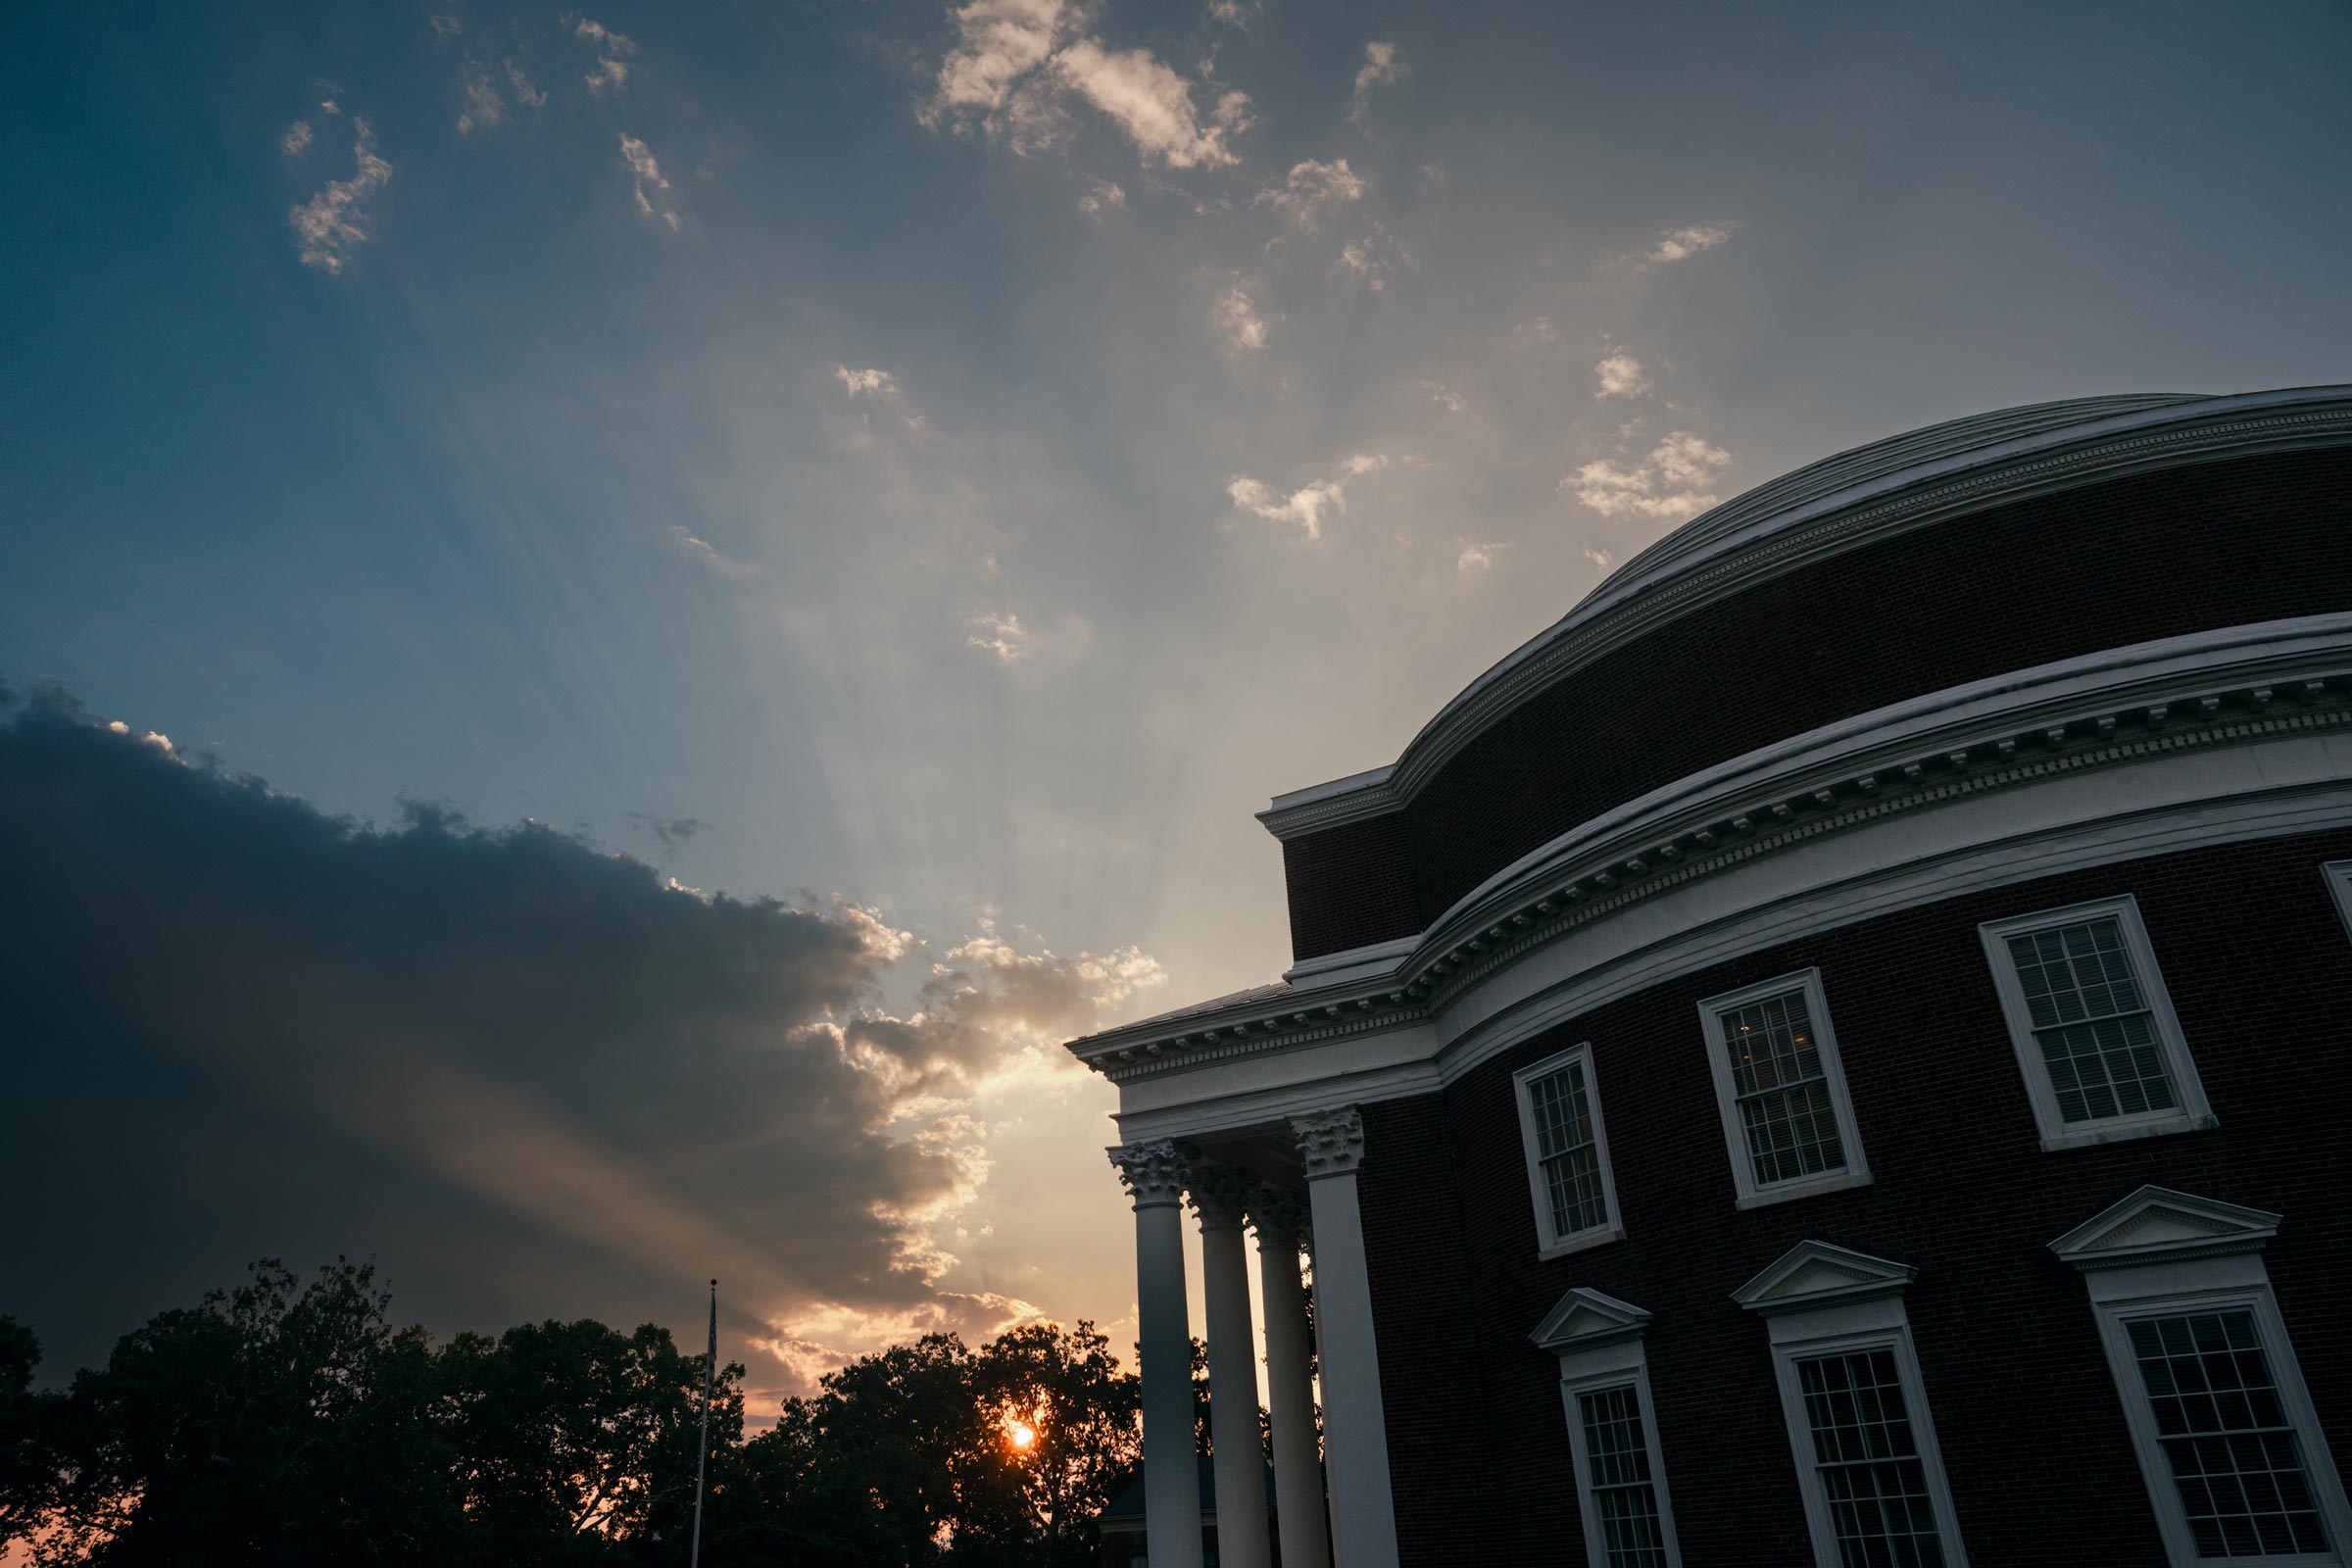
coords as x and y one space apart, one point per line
1742 542
2179 697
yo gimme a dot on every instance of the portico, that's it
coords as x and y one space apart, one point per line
1294 1184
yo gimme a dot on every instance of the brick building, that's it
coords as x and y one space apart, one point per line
1831 1053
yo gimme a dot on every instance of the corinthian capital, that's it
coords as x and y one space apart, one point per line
1221 1195
1331 1143
1153 1172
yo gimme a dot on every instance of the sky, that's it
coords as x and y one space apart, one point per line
617 619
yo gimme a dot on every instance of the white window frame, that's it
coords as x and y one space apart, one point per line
1821 1299
2161 1253
2192 1114
1751 1193
1550 1242
2339 883
1598 1342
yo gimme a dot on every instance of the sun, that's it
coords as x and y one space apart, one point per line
1021 1433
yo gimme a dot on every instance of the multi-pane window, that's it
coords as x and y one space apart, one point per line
1868 1460
2091 1021
2235 1459
2094 1033
1567 1151
1783 1094
1621 1493
1782 1091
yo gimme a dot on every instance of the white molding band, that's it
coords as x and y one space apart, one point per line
1832 506
2175 698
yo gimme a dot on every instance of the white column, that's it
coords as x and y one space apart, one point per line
1290 1382
1241 1465
1355 1438
1155 1176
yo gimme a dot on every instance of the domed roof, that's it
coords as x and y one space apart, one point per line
1915 479
1877 460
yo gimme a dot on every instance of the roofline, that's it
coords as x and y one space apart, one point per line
1736 546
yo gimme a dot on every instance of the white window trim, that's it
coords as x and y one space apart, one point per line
2193 1112
1753 1194
2339 883
1550 1243
2161 1253
1598 1342
1821 1300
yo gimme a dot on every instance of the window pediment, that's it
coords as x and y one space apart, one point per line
1585 1316
2156 1224
1815 1273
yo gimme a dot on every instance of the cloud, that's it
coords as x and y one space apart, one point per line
1478 556
616 50
671 831
1313 191
1003 636
297 139
529 1076
1664 485
334 223
1372 259
1598 558
1531 332
1678 244
1384 63
1238 319
1102 196
1309 503
483 105
683 542
1013 65
527 93
880 386
1620 376
647 183
1153 105
445 26
1445 396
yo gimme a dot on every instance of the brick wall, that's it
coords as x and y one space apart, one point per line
2259 971
2224 544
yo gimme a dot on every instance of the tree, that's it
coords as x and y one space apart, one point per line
1062 1386
28 1430
269 1425
577 1437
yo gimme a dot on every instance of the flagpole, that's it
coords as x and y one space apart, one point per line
702 1458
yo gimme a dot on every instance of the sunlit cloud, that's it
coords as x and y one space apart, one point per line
1536 330
334 223
1153 105
611 72
1384 65
1664 485
1372 259
1478 556
682 542
1309 505
646 182
1238 320
1680 244
1102 196
297 139
1003 636
1313 191
1621 377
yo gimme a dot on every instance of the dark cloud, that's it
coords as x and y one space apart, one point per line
532 1077
671 831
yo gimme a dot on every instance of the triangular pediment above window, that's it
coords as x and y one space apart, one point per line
2156 1224
1816 1273
1585 1316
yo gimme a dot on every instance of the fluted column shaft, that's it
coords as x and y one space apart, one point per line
1355 1439
1239 1463
1155 1176
1290 1387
